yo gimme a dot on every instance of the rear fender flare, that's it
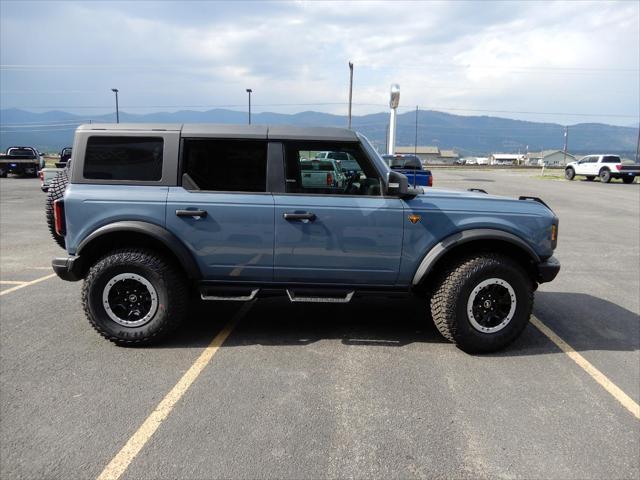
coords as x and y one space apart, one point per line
157 232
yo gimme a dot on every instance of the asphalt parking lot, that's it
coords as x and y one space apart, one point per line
365 390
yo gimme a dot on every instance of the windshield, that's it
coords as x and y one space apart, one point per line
381 165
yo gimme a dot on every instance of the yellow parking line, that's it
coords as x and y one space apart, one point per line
27 284
615 391
125 456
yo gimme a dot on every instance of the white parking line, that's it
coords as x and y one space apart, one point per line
11 282
615 391
125 456
27 284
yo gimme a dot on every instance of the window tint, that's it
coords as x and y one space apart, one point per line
226 165
611 159
123 158
344 170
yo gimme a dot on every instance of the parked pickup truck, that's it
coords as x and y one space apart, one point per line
411 167
21 160
149 216
47 174
604 166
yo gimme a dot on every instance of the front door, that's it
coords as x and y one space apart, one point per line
222 211
340 232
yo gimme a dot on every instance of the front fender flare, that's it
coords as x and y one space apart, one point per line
157 232
466 236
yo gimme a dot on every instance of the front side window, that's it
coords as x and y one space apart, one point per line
342 169
226 165
123 158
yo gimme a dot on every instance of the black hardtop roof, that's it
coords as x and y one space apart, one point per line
207 130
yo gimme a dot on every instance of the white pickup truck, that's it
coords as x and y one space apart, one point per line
604 166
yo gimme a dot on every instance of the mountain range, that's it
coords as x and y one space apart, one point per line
468 135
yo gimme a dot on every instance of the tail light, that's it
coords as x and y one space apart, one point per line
329 180
58 217
41 175
430 181
619 166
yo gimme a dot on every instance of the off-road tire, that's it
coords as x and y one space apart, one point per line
590 178
569 173
452 292
605 175
628 180
55 192
167 279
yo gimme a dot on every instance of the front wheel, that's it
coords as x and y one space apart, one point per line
134 297
605 175
483 302
569 173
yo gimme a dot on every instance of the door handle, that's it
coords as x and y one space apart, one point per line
191 213
293 217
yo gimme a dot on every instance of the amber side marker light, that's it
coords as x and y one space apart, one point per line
413 218
554 233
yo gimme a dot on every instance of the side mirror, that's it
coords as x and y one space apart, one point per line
397 185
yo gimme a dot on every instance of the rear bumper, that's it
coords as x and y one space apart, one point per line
68 268
548 270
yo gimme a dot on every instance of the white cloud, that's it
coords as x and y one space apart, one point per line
538 57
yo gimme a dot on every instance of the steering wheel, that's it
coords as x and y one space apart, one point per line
350 181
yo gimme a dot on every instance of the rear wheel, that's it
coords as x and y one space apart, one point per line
628 179
135 297
569 173
605 175
56 192
483 302
3 173
590 178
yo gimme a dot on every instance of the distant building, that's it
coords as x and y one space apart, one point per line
549 158
430 154
505 159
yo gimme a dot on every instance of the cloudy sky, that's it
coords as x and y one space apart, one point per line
566 62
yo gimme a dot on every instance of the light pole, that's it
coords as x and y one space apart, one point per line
394 100
249 92
350 90
415 148
115 90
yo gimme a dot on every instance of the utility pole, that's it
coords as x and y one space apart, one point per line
415 148
638 146
350 90
115 90
249 92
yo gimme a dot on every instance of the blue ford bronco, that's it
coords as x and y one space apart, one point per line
151 214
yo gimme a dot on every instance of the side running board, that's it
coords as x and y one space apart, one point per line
233 298
315 299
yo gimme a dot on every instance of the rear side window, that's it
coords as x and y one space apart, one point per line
610 159
123 158
226 165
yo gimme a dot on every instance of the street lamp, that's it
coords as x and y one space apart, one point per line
249 92
394 100
115 90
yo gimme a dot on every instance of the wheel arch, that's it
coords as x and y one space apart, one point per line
138 234
474 241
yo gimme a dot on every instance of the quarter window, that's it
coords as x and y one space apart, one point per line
226 165
123 158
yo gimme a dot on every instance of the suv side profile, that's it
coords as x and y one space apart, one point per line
153 212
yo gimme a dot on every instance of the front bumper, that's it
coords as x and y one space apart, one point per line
68 268
548 270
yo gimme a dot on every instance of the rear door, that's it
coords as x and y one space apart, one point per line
327 235
222 211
